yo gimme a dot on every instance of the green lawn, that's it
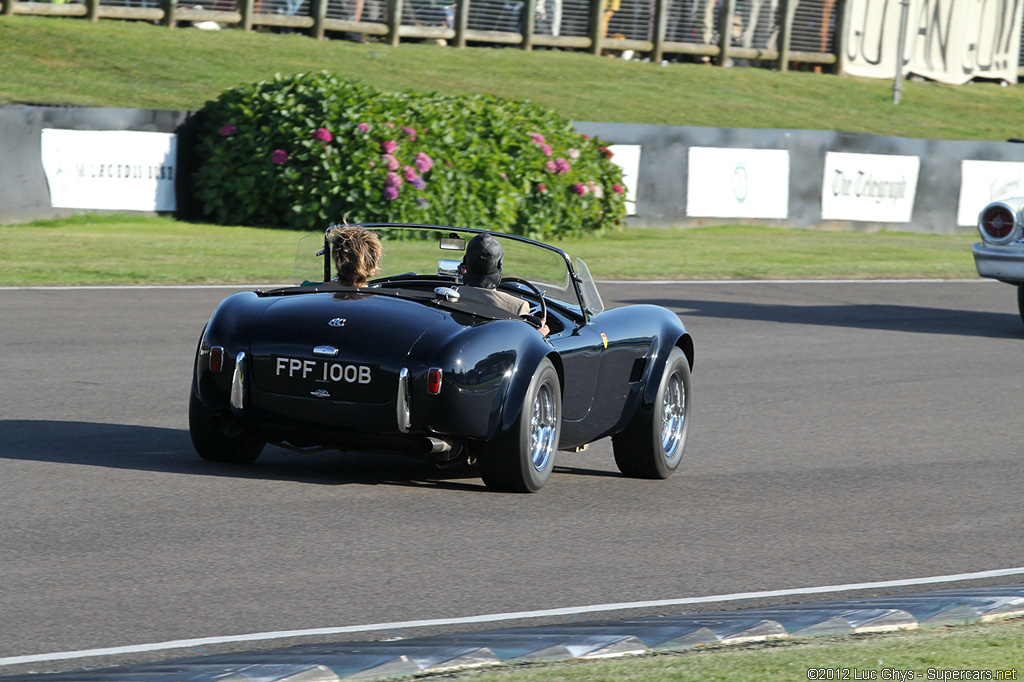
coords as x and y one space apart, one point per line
131 250
135 64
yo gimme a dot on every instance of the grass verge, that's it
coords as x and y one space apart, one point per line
135 64
989 651
122 249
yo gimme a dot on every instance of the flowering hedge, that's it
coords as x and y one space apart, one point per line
309 150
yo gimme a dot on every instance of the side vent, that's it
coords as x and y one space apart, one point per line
638 370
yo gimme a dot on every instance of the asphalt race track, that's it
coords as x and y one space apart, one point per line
842 433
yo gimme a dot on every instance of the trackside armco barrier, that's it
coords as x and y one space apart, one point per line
60 161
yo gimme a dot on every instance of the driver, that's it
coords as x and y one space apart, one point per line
481 273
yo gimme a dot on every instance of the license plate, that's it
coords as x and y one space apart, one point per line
324 378
323 371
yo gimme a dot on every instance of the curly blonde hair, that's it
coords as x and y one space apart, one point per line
357 253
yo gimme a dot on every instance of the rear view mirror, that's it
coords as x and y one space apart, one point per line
453 243
448 267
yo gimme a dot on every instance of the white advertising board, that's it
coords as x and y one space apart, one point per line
627 157
982 182
869 187
110 170
737 183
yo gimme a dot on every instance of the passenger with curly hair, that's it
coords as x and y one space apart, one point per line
357 253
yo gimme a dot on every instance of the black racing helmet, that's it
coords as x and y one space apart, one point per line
482 262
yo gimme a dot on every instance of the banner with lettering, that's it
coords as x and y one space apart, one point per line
869 187
950 41
110 169
982 182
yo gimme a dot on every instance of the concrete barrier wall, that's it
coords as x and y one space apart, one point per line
663 172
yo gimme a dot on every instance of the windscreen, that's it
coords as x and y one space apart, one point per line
309 260
428 251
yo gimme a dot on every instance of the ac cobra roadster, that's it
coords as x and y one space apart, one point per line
408 365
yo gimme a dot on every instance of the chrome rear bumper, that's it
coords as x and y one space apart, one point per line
1005 263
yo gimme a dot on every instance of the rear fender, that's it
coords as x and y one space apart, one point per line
527 361
685 343
230 328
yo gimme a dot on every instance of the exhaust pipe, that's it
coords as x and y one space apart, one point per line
433 446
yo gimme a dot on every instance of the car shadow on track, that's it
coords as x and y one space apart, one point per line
886 317
147 448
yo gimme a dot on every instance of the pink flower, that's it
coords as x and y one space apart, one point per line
279 156
607 152
423 162
595 189
388 146
574 154
389 124
393 180
410 132
418 183
546 149
562 166
541 187
228 130
390 193
362 127
390 161
409 173
551 166
579 188
504 176
537 138
323 134
618 189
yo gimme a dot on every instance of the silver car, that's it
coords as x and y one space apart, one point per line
1000 254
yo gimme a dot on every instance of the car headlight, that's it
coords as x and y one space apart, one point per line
999 222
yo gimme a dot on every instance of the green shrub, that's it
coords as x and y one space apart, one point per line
309 150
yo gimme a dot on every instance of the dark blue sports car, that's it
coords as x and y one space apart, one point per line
409 365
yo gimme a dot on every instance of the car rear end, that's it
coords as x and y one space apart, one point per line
1000 254
317 369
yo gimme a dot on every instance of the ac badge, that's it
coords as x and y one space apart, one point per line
337 322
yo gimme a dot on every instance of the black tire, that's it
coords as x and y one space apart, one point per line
1020 300
652 445
214 446
521 460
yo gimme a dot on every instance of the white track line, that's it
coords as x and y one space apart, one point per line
496 617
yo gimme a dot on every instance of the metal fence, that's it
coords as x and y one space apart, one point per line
773 33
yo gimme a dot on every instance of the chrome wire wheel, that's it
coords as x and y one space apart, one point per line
543 428
521 459
652 444
673 415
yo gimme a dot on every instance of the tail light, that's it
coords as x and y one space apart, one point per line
216 359
434 381
998 224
